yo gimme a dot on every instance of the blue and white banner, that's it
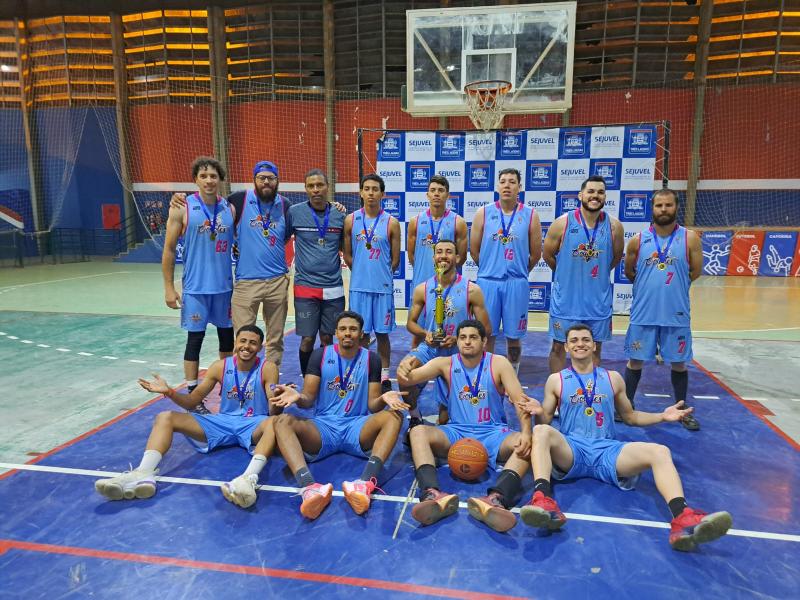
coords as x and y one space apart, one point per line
777 253
553 163
716 251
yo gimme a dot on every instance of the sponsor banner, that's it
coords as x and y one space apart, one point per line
571 174
401 292
392 146
472 202
745 253
479 176
612 203
510 145
455 202
640 141
566 202
609 169
450 146
716 251
623 297
541 143
778 254
416 203
574 142
480 146
394 175
418 174
454 172
394 203
607 142
541 175
400 271
544 203
638 175
470 269
538 296
519 165
635 206
420 145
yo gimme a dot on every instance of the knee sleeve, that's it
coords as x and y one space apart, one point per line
225 335
194 341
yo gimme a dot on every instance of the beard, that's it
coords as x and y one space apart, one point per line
268 194
665 219
587 207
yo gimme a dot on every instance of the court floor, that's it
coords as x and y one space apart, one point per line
74 338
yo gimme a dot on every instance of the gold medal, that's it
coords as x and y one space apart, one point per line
474 400
504 239
589 411
369 246
265 232
342 393
662 266
213 236
321 241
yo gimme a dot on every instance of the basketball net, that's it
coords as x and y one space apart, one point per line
485 101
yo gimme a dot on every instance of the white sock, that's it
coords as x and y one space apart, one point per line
150 460
385 373
257 463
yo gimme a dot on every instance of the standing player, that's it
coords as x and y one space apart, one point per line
462 300
343 385
318 290
506 243
582 248
585 446
372 252
207 226
476 383
662 262
242 420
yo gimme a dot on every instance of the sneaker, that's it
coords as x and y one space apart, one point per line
386 386
358 492
693 527
543 512
315 498
489 510
200 409
690 423
129 485
241 491
412 422
434 506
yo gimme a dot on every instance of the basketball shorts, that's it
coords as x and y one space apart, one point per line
313 315
507 304
491 436
596 459
601 329
376 309
339 435
674 343
226 430
198 310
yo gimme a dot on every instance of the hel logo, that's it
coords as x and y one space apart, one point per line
569 203
479 173
452 204
541 174
635 203
391 203
574 140
419 174
419 143
536 294
390 142
640 141
390 174
450 142
511 141
605 170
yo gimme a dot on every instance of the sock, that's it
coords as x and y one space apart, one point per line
516 366
676 505
304 357
303 477
414 413
191 384
680 383
257 463
507 485
372 468
426 477
150 460
384 373
632 378
543 485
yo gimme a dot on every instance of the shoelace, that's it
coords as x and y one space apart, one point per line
374 482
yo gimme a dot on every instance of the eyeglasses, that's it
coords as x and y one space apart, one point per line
265 178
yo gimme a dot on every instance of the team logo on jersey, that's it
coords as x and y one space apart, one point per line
233 393
586 251
335 386
258 222
465 395
361 236
503 238
636 345
579 396
654 260
219 227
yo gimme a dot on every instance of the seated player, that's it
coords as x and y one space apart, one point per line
343 384
476 382
587 397
242 420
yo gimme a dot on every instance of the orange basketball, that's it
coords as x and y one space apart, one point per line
467 459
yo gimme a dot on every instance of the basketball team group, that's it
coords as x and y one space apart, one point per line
453 324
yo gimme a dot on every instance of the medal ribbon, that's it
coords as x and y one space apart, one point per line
586 229
450 287
321 229
369 233
213 221
588 398
662 254
266 219
503 227
239 391
473 389
344 379
435 234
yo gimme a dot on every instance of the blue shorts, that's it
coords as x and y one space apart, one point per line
674 343
376 309
425 353
198 310
601 329
507 302
339 435
226 430
596 459
491 436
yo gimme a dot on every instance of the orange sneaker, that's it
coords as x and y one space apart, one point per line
489 510
358 493
434 506
315 498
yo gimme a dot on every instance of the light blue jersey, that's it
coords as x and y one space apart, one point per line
429 231
338 399
253 399
456 304
206 262
372 254
573 408
505 246
582 280
661 288
261 237
464 405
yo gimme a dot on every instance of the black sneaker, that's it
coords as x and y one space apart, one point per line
690 423
412 422
386 386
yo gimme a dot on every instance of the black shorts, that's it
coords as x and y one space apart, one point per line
314 315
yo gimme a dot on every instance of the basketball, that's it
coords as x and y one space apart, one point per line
467 459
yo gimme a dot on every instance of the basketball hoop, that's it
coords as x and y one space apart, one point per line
485 100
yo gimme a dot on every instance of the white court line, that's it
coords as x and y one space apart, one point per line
22 285
795 399
26 341
766 535
13 337
167 365
110 357
137 361
42 346
658 395
63 350
85 353
706 397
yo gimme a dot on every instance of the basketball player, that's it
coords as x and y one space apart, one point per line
462 300
506 243
476 382
206 225
372 252
587 397
245 382
662 262
343 385
582 248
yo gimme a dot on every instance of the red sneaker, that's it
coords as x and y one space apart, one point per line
358 493
434 506
315 498
489 510
542 511
693 527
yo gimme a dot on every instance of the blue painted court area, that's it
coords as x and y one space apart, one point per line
58 537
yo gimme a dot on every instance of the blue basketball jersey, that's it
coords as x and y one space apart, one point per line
206 262
572 405
466 408
429 231
456 304
253 400
261 236
372 267
661 290
582 280
505 255
354 401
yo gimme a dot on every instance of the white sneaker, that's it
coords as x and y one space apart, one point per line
129 485
241 491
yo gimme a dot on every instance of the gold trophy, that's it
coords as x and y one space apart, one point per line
438 310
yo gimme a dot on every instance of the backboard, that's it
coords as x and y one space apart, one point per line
529 45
